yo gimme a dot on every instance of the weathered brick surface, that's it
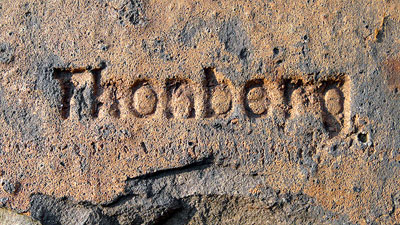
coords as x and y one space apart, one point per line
188 112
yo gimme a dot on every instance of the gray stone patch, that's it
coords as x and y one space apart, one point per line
6 53
10 217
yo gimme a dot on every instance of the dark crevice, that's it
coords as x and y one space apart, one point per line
199 165
168 214
143 145
119 200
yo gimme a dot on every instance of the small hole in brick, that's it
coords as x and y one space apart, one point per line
276 51
357 189
362 137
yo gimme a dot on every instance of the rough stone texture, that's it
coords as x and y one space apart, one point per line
147 112
9 217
